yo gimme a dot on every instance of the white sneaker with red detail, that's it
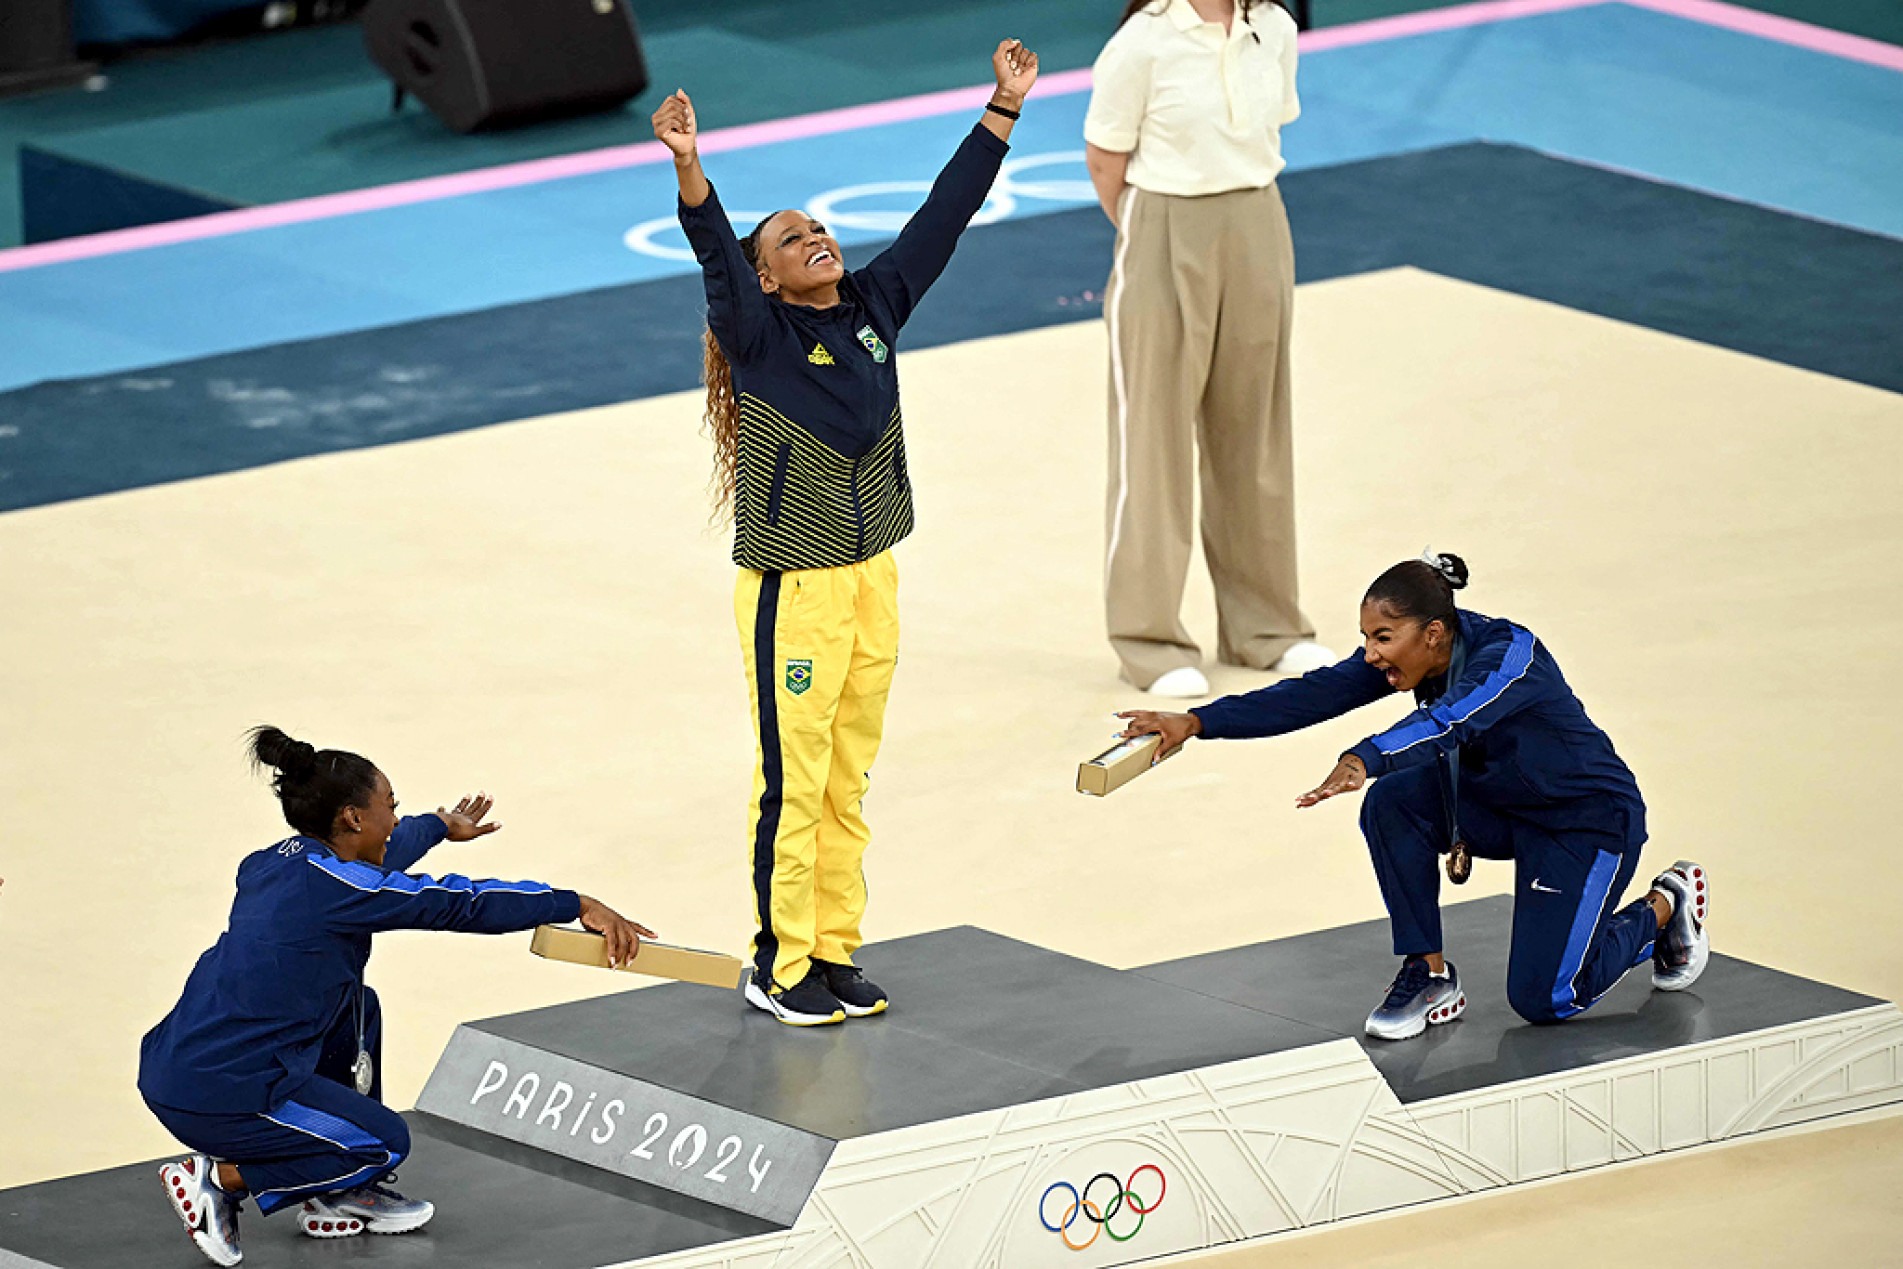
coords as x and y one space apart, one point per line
1683 947
210 1214
1416 1001
368 1207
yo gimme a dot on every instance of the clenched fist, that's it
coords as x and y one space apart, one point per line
674 125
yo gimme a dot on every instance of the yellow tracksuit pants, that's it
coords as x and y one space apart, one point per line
820 645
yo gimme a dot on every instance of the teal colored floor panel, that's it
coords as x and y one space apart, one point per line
341 136
916 48
1750 119
1672 99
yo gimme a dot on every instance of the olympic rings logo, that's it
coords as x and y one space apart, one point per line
831 208
1124 1196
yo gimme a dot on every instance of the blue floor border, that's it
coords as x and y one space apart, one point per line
1658 96
1730 274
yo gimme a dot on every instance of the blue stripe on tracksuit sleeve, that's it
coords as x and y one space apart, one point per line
413 838
362 897
1496 684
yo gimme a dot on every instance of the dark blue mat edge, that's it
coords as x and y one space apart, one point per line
1737 276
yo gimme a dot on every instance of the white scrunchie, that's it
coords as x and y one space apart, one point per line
1440 565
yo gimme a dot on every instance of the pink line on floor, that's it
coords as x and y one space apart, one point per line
926 105
510 175
1403 25
1769 26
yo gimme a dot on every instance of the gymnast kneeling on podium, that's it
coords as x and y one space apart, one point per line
267 1066
1498 760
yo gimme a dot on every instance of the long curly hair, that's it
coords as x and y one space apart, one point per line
721 422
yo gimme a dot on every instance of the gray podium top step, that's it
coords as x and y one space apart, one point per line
499 1207
1331 979
979 1021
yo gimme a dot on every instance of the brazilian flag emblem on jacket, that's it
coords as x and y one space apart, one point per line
874 345
799 676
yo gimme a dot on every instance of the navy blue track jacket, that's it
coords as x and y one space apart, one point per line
1526 745
249 1026
822 477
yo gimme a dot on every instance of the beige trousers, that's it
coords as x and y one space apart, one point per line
1200 304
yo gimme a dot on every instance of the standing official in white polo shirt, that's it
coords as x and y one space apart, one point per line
1184 145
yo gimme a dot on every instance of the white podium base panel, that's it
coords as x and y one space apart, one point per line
1655 1102
1289 1141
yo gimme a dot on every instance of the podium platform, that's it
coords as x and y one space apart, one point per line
1194 1102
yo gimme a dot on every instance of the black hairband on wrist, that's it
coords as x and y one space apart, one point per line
996 109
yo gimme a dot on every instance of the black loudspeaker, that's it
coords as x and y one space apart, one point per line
36 46
497 63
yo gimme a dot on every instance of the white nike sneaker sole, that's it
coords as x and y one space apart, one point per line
190 1199
762 1001
317 1222
1699 886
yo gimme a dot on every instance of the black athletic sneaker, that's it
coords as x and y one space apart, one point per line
805 1004
859 998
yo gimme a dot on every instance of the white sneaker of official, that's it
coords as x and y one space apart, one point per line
1183 682
1303 657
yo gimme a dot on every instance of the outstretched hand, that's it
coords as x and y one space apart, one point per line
1175 729
623 936
464 822
1347 776
674 125
1016 68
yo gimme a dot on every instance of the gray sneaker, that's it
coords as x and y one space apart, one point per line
1416 1000
210 1214
368 1207
1682 948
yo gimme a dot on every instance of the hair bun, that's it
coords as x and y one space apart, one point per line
272 748
1452 569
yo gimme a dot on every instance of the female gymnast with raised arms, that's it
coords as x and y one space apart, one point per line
803 405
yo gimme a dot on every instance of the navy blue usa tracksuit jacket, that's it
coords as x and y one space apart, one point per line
253 1064
1539 783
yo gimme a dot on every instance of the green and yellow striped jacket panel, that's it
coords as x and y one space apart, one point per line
800 503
